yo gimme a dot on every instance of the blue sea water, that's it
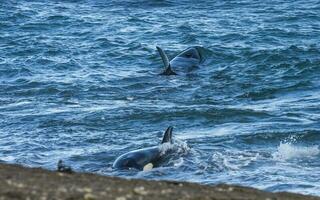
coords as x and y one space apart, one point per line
79 82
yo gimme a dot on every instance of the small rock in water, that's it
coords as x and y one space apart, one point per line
63 168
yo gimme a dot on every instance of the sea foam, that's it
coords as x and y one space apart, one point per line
287 150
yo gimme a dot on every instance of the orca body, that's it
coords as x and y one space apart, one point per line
182 63
144 159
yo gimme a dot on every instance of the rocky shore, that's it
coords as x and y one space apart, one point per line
19 182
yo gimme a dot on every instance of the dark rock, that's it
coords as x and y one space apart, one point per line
63 168
18 182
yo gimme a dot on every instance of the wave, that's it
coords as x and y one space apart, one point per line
229 160
287 151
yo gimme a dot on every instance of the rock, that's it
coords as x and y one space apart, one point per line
89 196
121 198
22 183
61 167
140 190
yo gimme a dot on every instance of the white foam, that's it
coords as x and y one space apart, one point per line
287 151
178 146
8 158
182 146
178 163
233 160
221 130
165 147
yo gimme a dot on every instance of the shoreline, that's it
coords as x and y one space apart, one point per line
20 182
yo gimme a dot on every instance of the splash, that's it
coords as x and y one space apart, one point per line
166 147
178 146
287 151
179 162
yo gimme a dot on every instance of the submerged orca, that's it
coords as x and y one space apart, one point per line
184 61
144 159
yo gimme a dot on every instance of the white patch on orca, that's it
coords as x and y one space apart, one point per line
148 167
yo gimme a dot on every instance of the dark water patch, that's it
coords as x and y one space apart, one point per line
60 18
270 93
17 72
146 4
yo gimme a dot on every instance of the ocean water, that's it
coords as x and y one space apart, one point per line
79 82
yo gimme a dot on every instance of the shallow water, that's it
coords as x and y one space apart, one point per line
79 82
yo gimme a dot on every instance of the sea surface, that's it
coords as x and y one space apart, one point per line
79 81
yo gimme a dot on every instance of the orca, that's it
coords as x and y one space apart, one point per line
146 158
182 63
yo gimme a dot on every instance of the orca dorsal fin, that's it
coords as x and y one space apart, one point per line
164 57
166 63
167 137
168 71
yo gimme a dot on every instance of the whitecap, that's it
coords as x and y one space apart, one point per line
287 151
178 146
